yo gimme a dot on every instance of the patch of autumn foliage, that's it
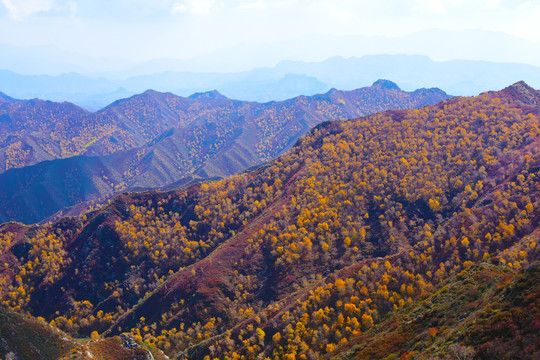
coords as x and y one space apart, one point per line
37 130
485 312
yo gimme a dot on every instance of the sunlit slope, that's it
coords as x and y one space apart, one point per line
157 139
307 253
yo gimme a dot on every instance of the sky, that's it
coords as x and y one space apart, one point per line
140 30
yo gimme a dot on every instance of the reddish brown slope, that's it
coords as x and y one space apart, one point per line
207 281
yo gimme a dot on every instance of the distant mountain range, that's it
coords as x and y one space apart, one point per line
440 45
156 139
283 81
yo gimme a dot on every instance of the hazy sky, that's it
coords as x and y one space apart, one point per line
144 29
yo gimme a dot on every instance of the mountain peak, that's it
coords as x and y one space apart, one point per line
522 93
152 92
6 98
334 91
521 86
208 95
386 84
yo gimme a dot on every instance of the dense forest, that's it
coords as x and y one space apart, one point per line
157 139
408 233
35 130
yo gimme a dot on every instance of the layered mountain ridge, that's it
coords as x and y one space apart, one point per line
285 80
155 139
355 243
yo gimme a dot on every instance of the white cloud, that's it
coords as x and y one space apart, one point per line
446 6
526 25
21 9
197 7
525 5
179 8
339 13
259 4
493 4
124 27
72 7
430 6
335 9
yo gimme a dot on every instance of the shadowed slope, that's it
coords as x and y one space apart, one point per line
171 138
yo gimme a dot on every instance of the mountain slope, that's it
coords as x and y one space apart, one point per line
25 338
306 253
205 135
485 312
36 130
6 99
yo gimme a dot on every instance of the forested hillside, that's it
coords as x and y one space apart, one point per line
156 139
37 130
364 236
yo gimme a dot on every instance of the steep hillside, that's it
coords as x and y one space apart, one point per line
25 338
37 130
485 312
205 135
306 254
6 99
